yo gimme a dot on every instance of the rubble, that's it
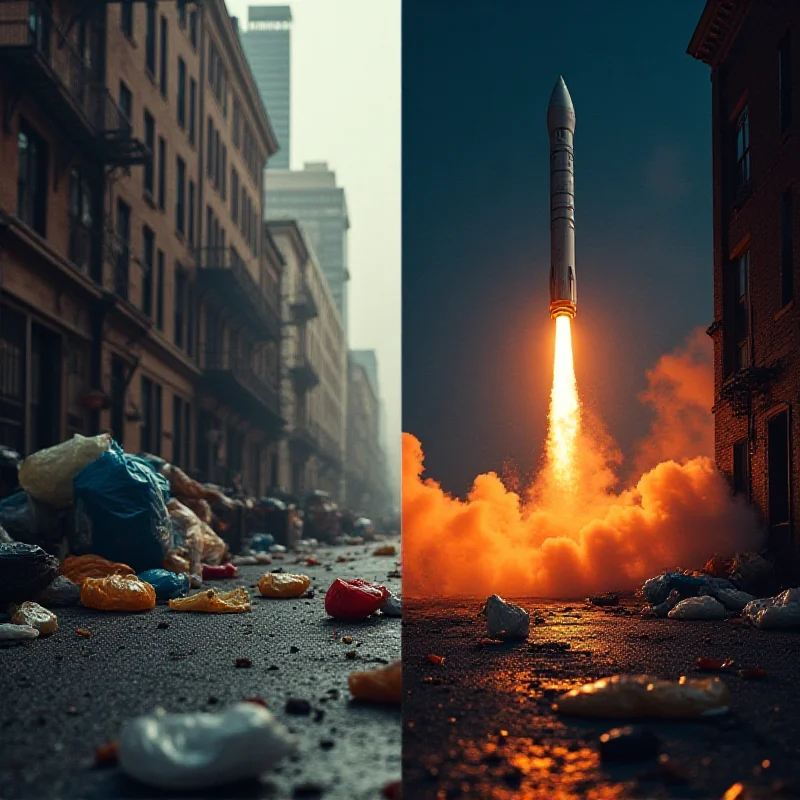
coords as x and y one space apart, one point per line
25 569
34 615
505 620
698 608
782 611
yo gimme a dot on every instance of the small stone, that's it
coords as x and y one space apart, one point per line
327 744
294 649
347 639
319 714
295 705
607 599
308 790
632 743
351 654
162 626
213 700
272 668
243 662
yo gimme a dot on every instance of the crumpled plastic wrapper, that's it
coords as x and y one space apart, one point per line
696 608
782 611
48 474
383 685
34 615
78 568
180 484
25 569
283 584
199 751
505 620
214 602
393 607
118 593
642 696
733 599
10 632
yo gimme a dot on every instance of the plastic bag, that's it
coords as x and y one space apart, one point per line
505 620
190 526
10 461
283 584
754 574
25 569
180 484
78 568
657 590
31 521
200 507
211 601
200 751
10 632
261 542
61 592
122 501
382 685
167 585
642 696
34 615
48 474
214 548
118 593
354 600
778 612
732 599
698 608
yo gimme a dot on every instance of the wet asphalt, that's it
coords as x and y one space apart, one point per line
481 724
63 695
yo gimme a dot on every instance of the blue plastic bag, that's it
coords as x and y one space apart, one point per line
167 584
121 502
656 590
261 542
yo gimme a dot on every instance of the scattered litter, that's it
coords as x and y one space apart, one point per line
214 602
194 751
629 744
438 660
243 663
662 609
754 574
351 654
167 585
34 615
382 685
277 548
385 550
62 592
106 755
393 607
752 674
25 569
713 664
607 599
505 620
221 572
244 561
298 706
77 568
782 611
695 608
259 701
83 633
264 558
347 640
283 584
10 632
630 696
118 593
261 542
733 599
657 590
355 599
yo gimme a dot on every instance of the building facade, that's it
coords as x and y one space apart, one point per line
312 197
314 359
756 325
151 309
267 42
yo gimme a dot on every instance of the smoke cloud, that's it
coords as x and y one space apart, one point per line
677 512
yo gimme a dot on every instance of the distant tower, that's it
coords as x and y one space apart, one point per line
267 43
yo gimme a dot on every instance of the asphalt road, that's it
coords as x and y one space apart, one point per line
481 724
63 695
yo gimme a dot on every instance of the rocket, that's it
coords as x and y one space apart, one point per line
561 127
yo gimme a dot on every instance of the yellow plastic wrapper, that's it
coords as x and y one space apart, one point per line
642 696
175 562
78 568
34 615
214 602
383 685
118 593
283 584
385 550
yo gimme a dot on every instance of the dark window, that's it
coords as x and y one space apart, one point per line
148 253
787 249
122 250
741 476
151 417
209 218
118 375
126 101
162 173
210 148
224 187
160 290
150 38
32 180
182 93
212 65
163 71
126 17
779 464
150 141
181 6
217 154
190 226
190 320
180 306
236 119
785 82
180 203
243 213
177 431
193 28
235 196
80 221
192 109
742 316
743 150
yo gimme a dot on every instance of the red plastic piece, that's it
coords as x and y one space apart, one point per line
216 573
354 600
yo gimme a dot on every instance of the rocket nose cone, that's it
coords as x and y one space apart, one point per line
560 111
560 97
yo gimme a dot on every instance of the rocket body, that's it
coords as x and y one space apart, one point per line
561 127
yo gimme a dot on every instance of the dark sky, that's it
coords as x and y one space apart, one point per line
477 338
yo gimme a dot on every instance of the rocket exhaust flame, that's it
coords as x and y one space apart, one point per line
564 419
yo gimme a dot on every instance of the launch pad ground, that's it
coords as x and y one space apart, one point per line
481 724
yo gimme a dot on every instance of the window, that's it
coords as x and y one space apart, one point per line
151 417
122 250
235 196
778 468
125 101
217 153
742 315
209 218
190 319
32 180
192 108
224 187
164 59
743 150
181 6
787 250
150 141
236 119
212 65
243 213
785 82
126 17
193 28
210 148
160 290
150 38
180 306
180 202
148 253
190 227
182 93
80 221
162 172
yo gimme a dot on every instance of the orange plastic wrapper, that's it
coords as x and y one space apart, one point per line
283 584
200 507
642 696
713 664
118 593
752 674
385 550
214 602
106 755
180 484
438 660
383 685
77 568
175 562
213 547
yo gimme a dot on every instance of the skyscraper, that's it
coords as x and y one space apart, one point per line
267 44
312 197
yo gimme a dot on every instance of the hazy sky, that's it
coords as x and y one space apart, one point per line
346 111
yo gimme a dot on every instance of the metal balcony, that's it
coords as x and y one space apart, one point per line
233 380
303 306
45 65
304 439
223 271
303 374
80 246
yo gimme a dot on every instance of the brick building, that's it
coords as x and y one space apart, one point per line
756 325
139 291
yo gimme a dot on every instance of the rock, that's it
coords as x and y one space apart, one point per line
298 706
10 632
607 599
505 620
62 592
629 744
696 608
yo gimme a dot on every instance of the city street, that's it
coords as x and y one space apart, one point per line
64 695
481 725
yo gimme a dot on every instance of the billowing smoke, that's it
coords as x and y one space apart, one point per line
677 513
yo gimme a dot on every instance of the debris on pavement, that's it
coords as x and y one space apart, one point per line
214 602
695 608
34 615
383 685
168 585
753 673
77 568
385 550
643 696
657 590
219 572
663 609
62 592
631 743
607 599
244 561
283 585
733 599
505 620
83 633
353 600
393 607
107 754
10 632
782 611
25 569
194 751
434 659
713 664
118 593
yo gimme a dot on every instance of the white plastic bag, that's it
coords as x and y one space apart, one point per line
505 620
733 599
698 608
47 475
782 611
